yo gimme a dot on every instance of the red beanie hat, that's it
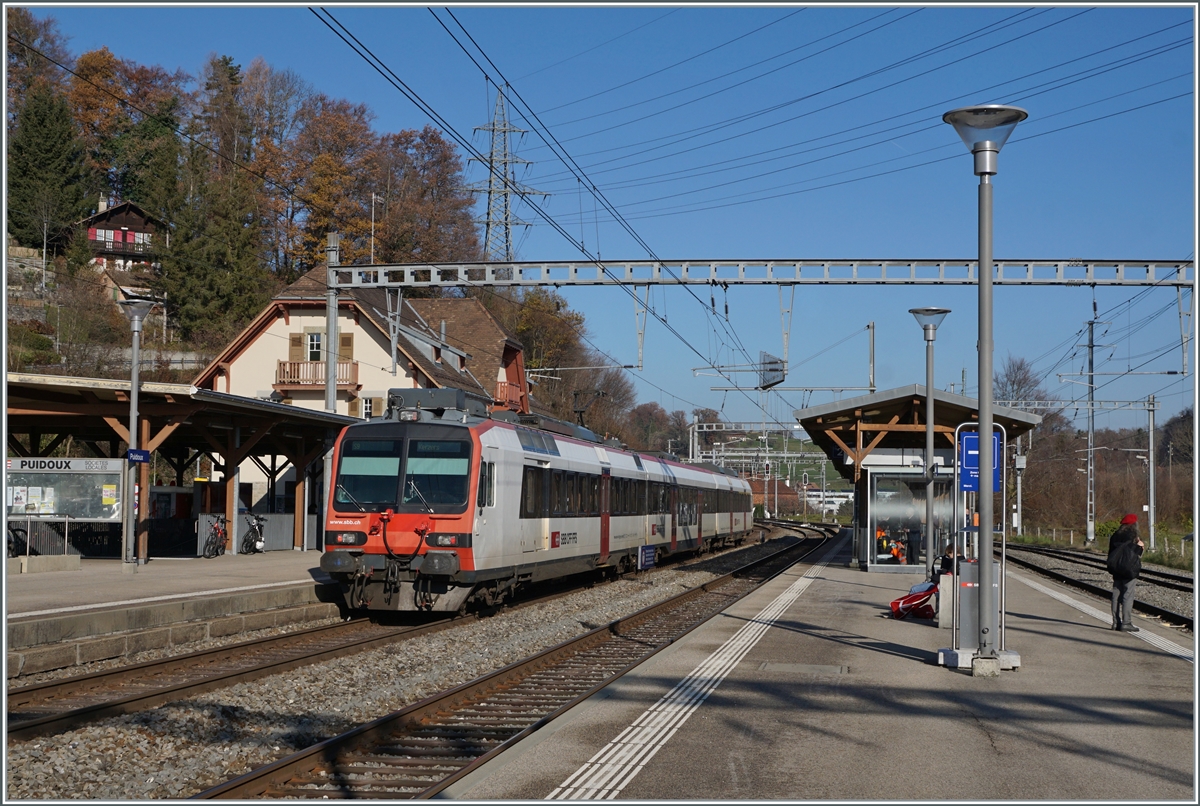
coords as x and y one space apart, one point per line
1128 519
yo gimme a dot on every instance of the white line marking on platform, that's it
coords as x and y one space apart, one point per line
609 771
1165 645
163 598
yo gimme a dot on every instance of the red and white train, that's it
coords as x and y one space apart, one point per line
438 504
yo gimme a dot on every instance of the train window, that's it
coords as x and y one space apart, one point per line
436 472
368 475
592 489
556 492
537 441
487 485
531 493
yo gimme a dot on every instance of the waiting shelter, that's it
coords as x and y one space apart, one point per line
178 423
877 442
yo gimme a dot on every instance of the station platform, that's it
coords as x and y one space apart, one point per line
809 689
63 618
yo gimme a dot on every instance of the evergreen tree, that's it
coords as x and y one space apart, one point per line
31 44
47 187
147 164
210 274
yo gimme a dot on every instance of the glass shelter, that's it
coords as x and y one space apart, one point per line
877 443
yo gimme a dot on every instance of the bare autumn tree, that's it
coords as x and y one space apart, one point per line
273 100
30 42
335 142
648 427
424 213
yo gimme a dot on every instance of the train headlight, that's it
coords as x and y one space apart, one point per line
345 538
444 540
409 416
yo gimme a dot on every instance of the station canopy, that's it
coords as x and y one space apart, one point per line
179 422
849 430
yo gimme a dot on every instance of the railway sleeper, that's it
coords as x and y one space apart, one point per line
289 792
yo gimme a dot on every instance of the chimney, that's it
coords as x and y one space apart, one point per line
103 205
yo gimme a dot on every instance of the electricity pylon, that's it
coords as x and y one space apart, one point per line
501 186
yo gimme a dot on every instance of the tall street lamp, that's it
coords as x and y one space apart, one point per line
929 319
135 309
374 198
984 130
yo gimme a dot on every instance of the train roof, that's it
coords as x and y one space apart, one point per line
459 407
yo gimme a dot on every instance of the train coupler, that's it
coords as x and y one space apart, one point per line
358 588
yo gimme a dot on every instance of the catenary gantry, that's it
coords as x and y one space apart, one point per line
1167 273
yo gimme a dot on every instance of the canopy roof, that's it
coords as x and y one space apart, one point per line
895 418
178 421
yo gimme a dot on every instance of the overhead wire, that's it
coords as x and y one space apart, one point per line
672 66
891 131
545 133
379 66
935 105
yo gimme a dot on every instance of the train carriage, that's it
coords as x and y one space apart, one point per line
439 504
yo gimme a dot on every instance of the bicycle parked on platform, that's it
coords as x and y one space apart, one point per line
18 539
215 544
254 542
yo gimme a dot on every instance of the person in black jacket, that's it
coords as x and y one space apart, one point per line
1124 563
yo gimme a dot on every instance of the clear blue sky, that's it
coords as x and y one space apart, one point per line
778 132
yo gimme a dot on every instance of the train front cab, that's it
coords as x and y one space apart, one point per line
399 530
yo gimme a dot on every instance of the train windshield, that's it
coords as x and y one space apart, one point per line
436 472
368 475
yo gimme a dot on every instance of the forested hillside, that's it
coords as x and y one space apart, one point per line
248 165
249 168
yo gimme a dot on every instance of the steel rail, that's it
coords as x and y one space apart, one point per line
305 766
156 678
155 682
1168 616
1165 579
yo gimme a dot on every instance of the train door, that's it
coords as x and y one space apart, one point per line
535 508
700 519
605 487
672 515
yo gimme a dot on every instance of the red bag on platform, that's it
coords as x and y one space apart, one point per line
919 605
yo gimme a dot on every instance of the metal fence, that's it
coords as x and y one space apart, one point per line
166 537
44 537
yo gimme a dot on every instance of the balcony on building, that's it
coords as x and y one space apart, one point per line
298 375
508 395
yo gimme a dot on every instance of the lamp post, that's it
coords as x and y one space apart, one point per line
135 309
374 198
929 319
984 130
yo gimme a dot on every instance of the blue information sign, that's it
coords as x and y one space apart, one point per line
137 456
968 461
645 557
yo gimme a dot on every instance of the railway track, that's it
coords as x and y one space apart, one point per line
1103 591
1166 579
60 705
422 749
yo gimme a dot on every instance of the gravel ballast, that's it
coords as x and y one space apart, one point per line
182 748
